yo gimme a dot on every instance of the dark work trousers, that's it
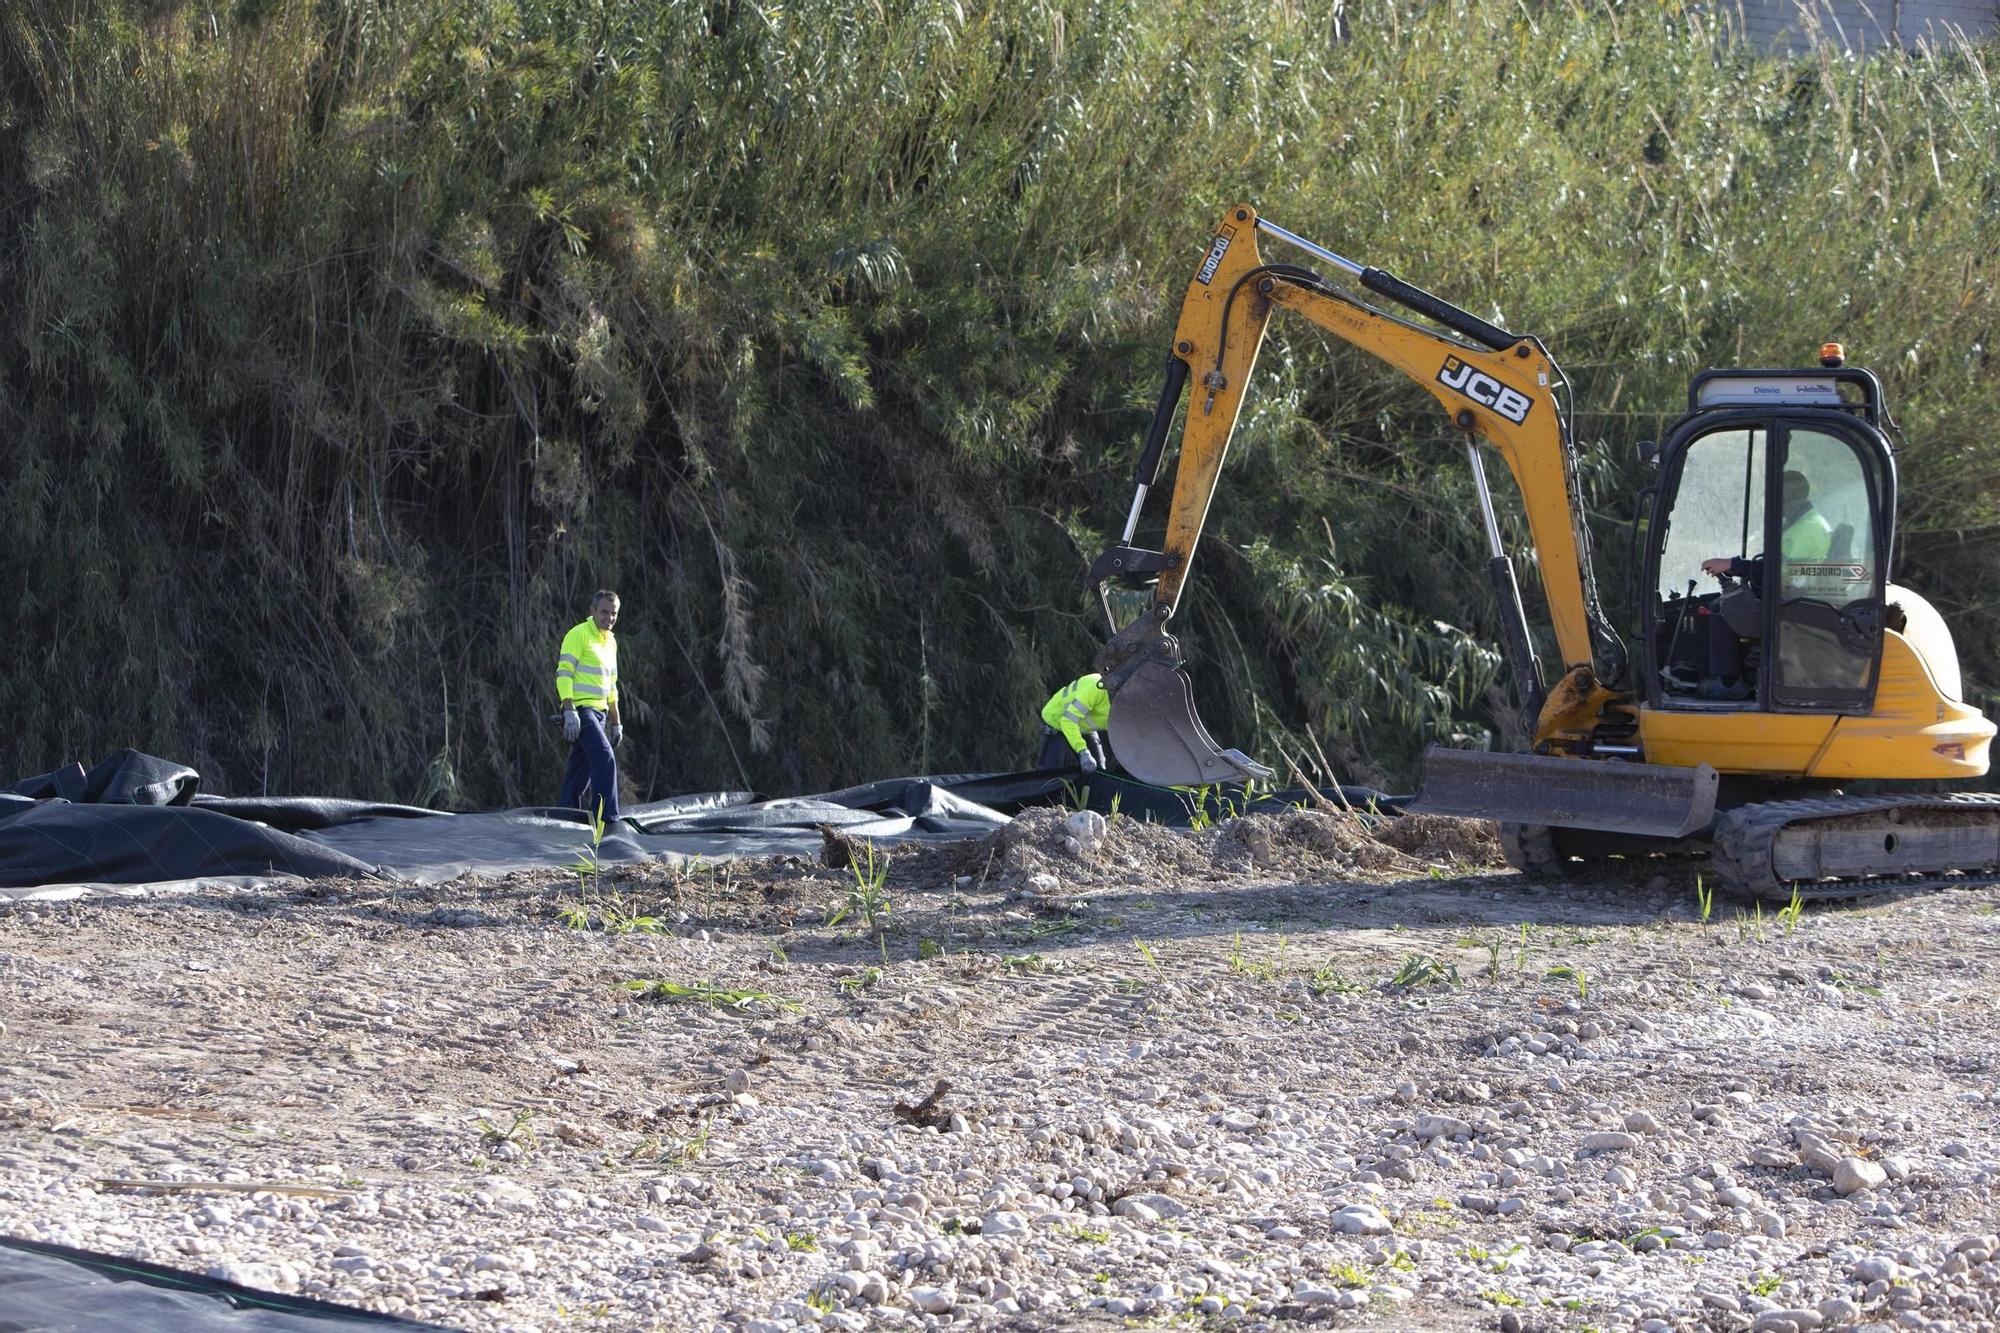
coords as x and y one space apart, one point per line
593 768
1055 751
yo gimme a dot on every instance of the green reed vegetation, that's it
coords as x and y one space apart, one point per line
348 344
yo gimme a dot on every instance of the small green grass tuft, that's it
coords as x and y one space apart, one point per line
711 995
1421 970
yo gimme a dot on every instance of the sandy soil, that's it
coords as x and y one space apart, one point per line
1279 1071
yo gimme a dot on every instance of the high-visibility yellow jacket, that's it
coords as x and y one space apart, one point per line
587 667
1080 706
1805 540
1808 537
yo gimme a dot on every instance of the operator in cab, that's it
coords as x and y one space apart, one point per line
1805 537
1073 722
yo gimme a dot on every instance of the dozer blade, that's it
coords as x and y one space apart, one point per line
1156 735
1650 800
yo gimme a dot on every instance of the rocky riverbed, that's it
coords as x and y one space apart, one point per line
1280 1071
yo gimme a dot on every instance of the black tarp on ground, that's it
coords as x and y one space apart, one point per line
55 1289
57 842
138 820
126 778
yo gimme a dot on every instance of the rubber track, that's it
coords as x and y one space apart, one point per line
1531 849
1746 838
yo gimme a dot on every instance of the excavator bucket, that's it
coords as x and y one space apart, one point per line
1649 800
1156 735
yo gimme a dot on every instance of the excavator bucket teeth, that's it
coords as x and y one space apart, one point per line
1157 737
1650 800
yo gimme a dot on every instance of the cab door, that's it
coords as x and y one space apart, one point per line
1711 505
1832 502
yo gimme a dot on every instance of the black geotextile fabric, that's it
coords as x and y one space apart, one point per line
57 842
135 819
126 778
55 1289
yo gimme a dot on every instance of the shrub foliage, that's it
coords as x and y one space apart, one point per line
350 344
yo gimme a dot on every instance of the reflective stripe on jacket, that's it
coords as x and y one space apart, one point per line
1080 706
587 667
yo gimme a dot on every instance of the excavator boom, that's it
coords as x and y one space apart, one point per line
1496 387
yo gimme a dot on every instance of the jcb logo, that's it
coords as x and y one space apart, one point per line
1483 389
1215 254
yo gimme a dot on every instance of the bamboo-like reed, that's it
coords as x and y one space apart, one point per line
348 345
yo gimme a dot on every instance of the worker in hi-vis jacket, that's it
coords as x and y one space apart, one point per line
1072 721
587 680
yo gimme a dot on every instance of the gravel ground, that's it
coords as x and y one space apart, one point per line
1276 1072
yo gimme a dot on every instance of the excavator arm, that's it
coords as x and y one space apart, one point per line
1496 387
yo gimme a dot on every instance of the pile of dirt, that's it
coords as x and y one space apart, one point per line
1444 840
1086 850
1301 840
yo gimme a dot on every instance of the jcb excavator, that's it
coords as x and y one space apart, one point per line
1775 661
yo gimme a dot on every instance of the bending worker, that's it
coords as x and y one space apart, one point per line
587 680
1071 722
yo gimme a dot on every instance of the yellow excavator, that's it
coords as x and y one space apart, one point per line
1774 664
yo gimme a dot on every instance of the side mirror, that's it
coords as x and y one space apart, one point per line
1649 453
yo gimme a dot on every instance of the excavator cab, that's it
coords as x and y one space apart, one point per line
1787 476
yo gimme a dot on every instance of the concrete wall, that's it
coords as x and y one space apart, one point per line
1786 25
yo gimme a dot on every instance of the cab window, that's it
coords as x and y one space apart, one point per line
1718 507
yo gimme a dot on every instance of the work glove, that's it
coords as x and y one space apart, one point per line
1086 761
615 732
572 724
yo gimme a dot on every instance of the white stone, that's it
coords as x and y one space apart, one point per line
1797 1318
1360 1219
1875 1268
1609 1140
1001 1224
1440 1127
1135 1210
1856 1173
1161 1205
1087 827
933 1300
258 1277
